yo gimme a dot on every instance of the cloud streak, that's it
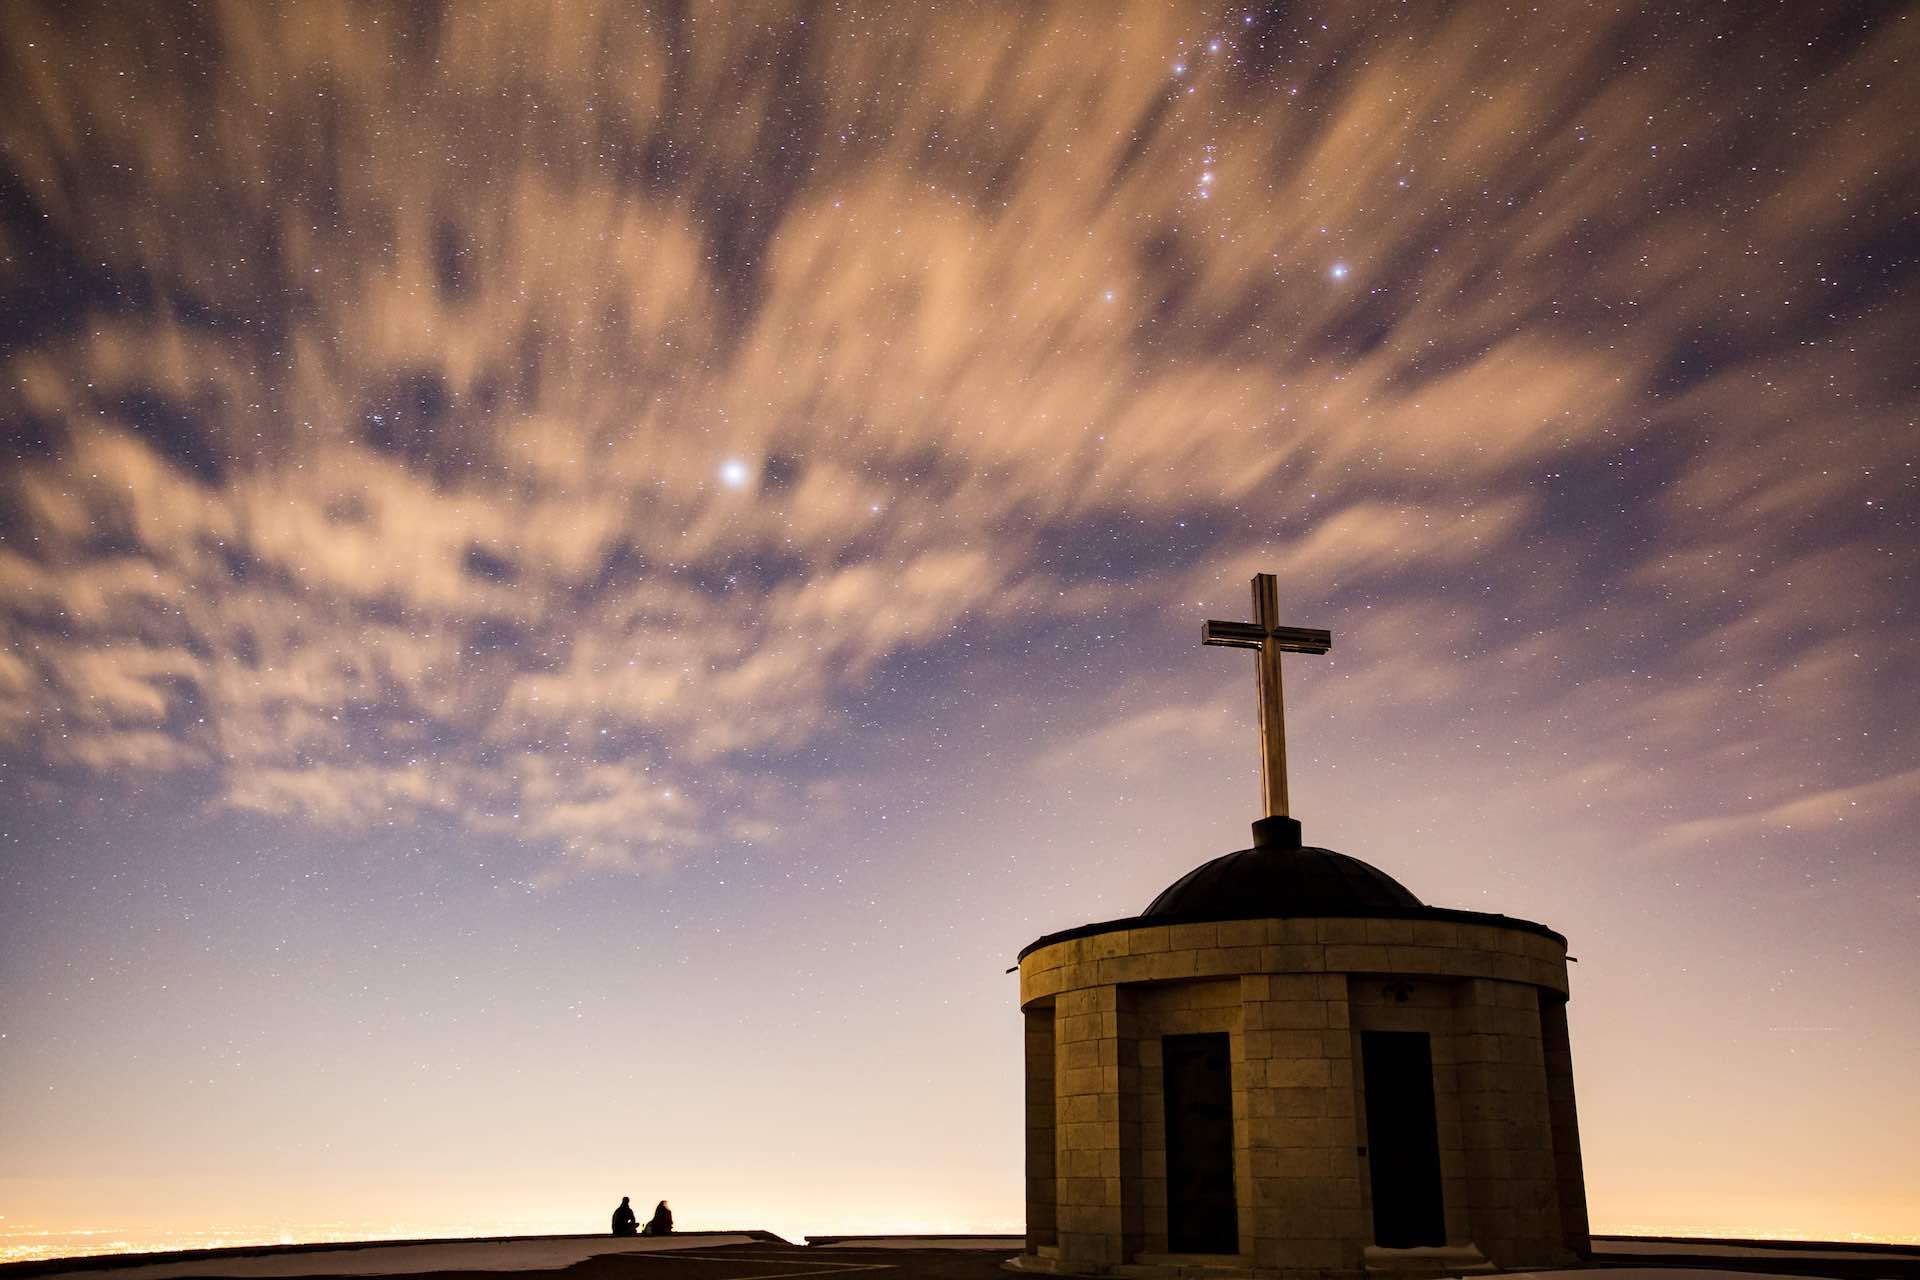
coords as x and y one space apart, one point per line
368 385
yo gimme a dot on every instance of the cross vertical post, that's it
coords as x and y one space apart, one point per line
1265 635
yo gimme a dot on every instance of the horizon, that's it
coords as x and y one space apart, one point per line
575 585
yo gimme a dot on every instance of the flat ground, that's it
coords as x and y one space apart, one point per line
741 1257
785 1262
736 1257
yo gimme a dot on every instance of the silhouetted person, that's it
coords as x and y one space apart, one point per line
661 1223
625 1223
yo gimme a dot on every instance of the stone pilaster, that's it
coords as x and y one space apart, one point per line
1506 1122
1093 1195
1300 1143
1042 1164
1569 1175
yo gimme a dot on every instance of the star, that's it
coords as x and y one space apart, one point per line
734 474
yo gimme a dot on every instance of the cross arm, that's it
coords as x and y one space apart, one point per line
1235 635
1302 639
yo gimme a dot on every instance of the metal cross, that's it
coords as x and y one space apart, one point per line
1271 639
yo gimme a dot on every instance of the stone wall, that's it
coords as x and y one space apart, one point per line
1293 996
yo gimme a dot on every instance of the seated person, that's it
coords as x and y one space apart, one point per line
661 1223
625 1223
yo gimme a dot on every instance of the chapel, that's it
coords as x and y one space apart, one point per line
1288 1065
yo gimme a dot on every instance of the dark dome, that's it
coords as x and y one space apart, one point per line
1280 877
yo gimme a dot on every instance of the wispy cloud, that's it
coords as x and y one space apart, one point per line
369 386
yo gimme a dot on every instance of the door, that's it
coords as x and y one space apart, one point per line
1403 1142
1198 1083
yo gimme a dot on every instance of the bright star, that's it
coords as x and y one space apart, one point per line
1338 271
734 474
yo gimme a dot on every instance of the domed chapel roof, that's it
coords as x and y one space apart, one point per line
1280 877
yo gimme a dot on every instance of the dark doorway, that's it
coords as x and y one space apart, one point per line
1403 1142
1198 1081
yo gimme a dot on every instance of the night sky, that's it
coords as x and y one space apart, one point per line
575 584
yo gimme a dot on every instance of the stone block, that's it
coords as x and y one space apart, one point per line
1343 931
1086 1135
1422 960
1294 986
1357 958
1313 1257
1122 970
1079 1194
1241 933
1190 937
1289 932
1146 941
1518 997
1475 1047
1295 957
1039 986
1081 1080
1281 1132
1294 1043
1236 959
1075 1054
1080 1109
1294 1015
1390 931
1292 1162
1170 966
1216 995
1080 1163
1297 1073
1436 933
